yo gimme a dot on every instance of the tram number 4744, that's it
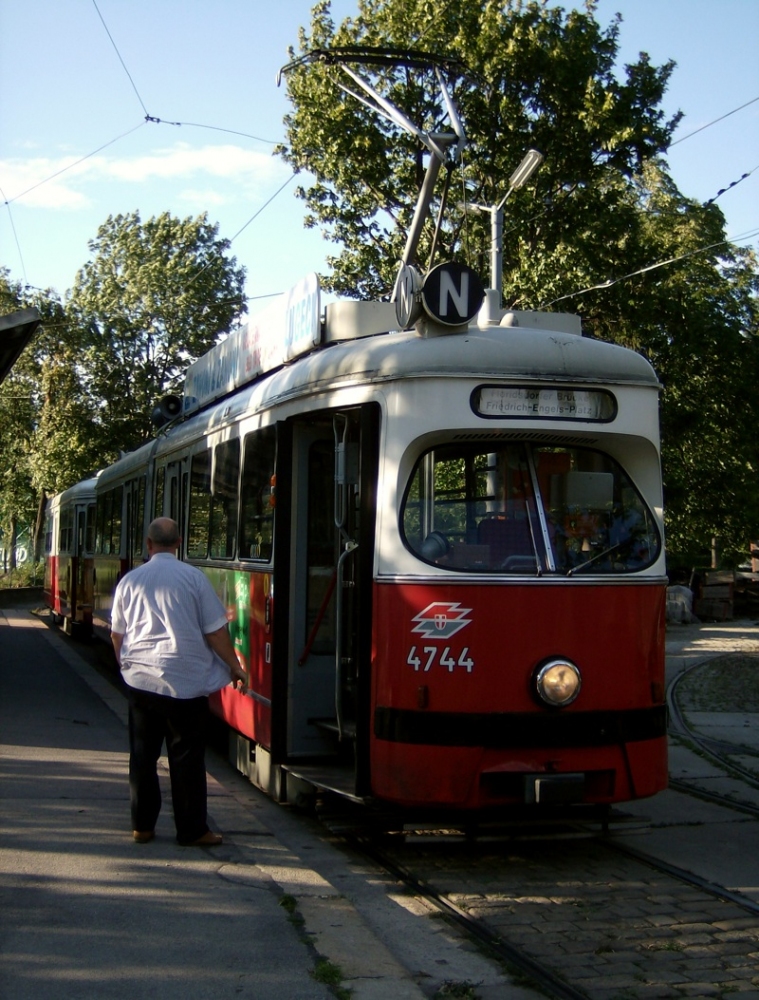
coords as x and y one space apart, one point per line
428 656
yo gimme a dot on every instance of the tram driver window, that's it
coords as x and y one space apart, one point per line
525 510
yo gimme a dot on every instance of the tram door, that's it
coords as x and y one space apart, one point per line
85 531
134 508
171 481
333 480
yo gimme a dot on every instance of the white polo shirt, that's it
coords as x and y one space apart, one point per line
163 609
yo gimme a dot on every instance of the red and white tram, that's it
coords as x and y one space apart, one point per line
69 549
440 548
441 556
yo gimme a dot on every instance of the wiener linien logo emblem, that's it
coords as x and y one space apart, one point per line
441 620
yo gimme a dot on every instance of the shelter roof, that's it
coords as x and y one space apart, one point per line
16 330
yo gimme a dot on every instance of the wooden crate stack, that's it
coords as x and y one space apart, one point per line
715 600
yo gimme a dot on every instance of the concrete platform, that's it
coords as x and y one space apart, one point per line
87 912
270 915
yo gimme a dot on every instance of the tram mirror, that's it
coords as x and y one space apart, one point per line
434 546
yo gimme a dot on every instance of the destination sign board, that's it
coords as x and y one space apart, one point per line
284 330
543 403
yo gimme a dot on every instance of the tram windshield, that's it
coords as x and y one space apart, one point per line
527 510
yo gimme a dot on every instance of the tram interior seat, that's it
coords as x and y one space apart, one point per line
507 536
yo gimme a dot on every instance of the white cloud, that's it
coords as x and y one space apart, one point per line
39 183
225 162
208 198
68 183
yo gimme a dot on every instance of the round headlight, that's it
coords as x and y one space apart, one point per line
558 682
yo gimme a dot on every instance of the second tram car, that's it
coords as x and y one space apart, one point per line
69 551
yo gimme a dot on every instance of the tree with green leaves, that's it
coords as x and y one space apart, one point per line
697 319
529 76
154 297
598 215
46 430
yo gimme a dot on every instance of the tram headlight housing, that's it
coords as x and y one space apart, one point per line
557 682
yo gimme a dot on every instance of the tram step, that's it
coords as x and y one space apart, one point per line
329 778
331 726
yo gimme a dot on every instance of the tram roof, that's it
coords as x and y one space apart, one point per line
79 491
492 352
504 353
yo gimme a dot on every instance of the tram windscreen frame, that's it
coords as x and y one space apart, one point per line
520 508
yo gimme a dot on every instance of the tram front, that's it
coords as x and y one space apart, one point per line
519 598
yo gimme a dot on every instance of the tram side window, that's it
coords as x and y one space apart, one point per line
118 497
66 530
212 529
226 474
137 516
198 528
108 532
90 530
49 523
526 510
160 480
257 522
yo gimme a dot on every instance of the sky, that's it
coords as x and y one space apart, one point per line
79 77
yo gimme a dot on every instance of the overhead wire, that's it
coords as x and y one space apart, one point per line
116 50
709 124
15 234
251 219
152 119
76 163
729 186
642 270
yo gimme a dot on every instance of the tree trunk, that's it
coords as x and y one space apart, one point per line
12 544
39 528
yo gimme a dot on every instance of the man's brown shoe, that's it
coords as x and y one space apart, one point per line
209 839
143 836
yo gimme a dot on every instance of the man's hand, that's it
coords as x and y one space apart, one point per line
239 677
220 642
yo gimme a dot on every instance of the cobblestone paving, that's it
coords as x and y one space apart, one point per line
725 684
611 926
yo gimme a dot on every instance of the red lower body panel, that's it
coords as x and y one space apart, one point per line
456 719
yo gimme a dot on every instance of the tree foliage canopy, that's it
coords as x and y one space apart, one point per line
535 77
154 297
583 234
46 439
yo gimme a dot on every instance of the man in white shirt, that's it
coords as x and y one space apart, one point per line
169 631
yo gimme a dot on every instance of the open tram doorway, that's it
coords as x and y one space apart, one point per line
331 510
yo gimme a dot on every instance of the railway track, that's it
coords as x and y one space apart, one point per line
721 752
486 882
572 911
647 928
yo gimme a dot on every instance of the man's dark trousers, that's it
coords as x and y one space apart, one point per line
183 724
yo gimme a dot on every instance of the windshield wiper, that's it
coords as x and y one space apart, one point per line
599 555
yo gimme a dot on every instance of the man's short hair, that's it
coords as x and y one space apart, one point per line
163 532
